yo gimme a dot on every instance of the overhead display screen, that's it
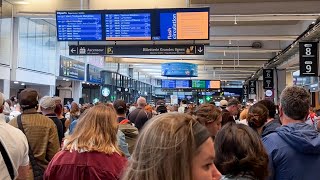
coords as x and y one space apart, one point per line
79 26
71 68
168 84
134 26
215 85
184 25
199 84
93 74
183 84
137 25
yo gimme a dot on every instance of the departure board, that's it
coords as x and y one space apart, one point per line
168 84
182 83
79 26
199 84
133 26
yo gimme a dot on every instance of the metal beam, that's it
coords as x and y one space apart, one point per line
265 17
253 38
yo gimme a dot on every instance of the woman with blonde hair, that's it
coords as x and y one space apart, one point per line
91 152
173 146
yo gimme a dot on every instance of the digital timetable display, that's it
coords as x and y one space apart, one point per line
183 84
137 25
168 84
79 26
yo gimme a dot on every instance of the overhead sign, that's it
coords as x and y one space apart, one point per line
268 81
101 50
105 92
252 87
71 68
133 25
308 52
93 74
178 69
245 91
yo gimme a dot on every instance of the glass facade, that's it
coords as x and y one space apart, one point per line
6 33
37 45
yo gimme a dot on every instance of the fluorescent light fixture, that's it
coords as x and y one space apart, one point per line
16 82
21 2
23 84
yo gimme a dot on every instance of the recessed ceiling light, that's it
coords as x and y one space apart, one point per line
23 84
16 82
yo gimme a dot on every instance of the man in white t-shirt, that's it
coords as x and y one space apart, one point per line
16 145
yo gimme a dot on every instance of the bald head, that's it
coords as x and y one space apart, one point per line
142 102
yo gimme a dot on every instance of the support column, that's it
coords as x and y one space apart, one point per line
76 91
289 78
260 91
280 84
5 88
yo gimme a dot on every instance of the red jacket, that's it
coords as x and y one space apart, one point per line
83 166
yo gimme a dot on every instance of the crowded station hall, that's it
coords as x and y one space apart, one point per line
159 90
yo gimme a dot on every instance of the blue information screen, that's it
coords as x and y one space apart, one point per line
135 26
168 84
79 26
183 84
93 74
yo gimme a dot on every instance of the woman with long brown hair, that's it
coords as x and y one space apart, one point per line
173 146
240 153
91 152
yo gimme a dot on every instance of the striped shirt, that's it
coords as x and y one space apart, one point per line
42 136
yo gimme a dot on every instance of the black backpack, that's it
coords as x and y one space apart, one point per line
38 171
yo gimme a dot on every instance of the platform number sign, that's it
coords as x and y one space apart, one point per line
268 82
308 59
252 87
245 90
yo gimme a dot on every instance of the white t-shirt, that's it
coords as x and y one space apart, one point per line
16 145
182 108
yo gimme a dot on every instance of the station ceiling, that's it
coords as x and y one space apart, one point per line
234 26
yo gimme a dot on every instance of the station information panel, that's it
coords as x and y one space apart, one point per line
79 26
128 26
133 25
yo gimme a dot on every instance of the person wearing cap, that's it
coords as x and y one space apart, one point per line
183 106
161 107
40 130
139 116
223 104
47 106
230 111
16 148
127 129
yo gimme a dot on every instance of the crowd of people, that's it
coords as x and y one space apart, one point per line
47 140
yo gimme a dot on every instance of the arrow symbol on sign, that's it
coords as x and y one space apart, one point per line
73 50
200 50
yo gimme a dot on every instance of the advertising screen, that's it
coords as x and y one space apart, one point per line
93 74
199 84
183 84
79 26
70 68
170 84
184 24
215 85
128 25
179 69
